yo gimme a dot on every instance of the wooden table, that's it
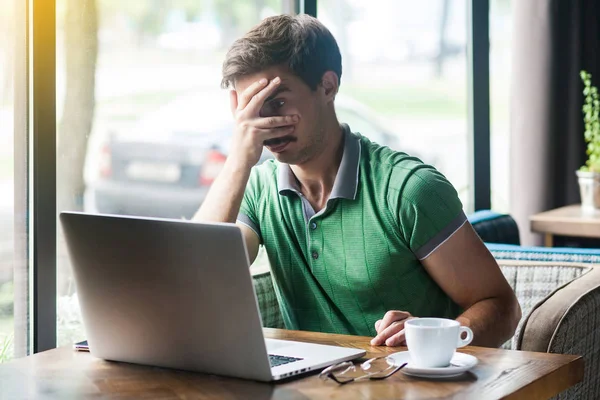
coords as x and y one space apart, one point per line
64 374
566 221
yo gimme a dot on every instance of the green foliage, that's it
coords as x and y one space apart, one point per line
444 100
6 321
6 348
591 119
149 17
6 299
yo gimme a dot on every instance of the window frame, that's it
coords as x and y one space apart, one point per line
43 170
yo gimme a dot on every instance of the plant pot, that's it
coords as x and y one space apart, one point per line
589 188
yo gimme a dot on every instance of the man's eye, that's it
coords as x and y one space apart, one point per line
277 104
272 107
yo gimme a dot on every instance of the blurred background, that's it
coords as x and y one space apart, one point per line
143 127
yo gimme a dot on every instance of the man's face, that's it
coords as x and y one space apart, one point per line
292 97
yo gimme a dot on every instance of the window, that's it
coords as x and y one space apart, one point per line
143 125
14 293
141 119
406 61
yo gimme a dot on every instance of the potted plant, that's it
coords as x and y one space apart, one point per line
589 174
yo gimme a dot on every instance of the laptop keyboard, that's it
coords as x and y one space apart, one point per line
276 360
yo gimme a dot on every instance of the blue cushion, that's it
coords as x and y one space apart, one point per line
494 227
484 215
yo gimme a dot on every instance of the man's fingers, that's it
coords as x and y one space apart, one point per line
390 317
247 95
276 122
233 101
377 323
387 333
399 339
263 134
256 102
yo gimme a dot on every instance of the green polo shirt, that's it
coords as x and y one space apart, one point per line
341 269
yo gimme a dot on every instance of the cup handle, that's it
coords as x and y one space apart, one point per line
463 342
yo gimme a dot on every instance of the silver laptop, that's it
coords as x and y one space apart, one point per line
178 294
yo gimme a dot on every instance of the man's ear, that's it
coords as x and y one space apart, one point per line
330 83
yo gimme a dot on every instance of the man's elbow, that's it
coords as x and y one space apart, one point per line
509 311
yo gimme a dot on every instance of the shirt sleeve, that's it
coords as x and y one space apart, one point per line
429 211
248 214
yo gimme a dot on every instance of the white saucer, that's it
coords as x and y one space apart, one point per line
459 364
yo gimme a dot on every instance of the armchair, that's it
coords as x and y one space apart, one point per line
559 293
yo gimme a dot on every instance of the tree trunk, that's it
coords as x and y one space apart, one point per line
228 22
258 7
343 15
7 51
442 52
81 51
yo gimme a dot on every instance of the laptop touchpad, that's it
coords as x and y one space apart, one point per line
273 345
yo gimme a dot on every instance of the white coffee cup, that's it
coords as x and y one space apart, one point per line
432 341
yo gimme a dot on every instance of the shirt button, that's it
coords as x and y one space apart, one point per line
315 255
313 225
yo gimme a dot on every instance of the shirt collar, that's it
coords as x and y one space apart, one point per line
346 181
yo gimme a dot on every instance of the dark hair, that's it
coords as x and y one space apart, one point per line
300 42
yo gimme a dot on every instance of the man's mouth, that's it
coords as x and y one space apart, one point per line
277 141
278 144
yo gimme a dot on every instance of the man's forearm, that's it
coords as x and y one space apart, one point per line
223 200
493 321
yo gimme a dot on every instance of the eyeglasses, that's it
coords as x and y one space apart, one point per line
375 369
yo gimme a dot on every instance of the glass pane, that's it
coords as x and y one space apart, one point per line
13 232
142 121
405 62
500 71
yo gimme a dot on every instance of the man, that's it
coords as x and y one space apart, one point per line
360 238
